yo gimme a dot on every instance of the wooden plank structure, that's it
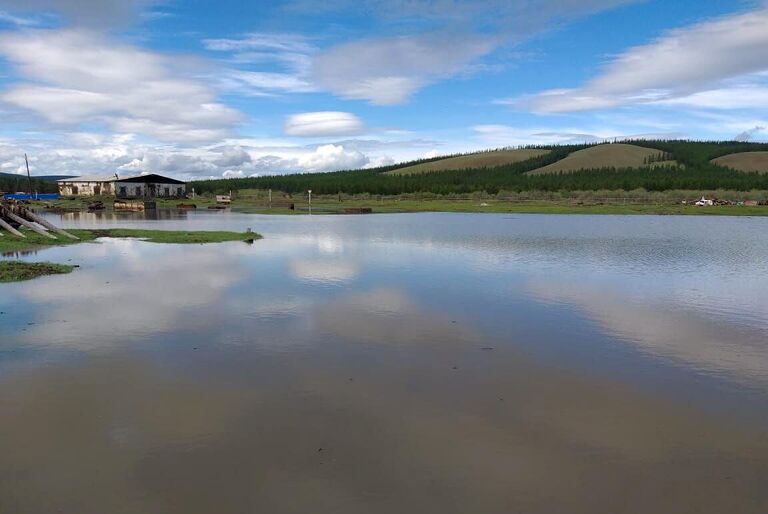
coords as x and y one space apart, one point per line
14 215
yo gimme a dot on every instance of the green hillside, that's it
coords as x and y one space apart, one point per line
692 169
12 183
490 159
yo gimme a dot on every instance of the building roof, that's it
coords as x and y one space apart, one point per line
150 177
90 178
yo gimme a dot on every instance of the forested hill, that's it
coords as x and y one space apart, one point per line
677 165
12 183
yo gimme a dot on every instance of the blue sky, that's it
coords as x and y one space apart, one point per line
231 88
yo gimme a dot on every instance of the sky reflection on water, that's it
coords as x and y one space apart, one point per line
410 363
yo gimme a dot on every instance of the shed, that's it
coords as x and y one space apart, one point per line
150 186
135 186
88 185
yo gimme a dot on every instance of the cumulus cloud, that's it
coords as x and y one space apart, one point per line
673 68
84 152
327 123
233 156
78 76
330 157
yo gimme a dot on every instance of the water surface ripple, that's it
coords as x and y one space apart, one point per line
420 363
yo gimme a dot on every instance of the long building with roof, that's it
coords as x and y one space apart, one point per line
136 186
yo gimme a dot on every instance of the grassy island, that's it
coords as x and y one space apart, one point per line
13 271
16 271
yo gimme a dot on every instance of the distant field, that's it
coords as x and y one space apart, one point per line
615 155
476 160
745 161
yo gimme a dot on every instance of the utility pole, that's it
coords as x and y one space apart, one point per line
29 178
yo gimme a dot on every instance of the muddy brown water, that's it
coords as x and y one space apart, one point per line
426 363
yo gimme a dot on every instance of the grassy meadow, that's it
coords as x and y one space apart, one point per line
472 161
606 156
744 161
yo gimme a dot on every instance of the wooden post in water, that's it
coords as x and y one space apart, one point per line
29 177
6 226
50 226
31 226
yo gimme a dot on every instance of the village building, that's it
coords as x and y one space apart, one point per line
137 186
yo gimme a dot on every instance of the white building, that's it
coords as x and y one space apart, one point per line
88 185
138 186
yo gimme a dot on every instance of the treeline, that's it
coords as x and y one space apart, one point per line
693 172
10 183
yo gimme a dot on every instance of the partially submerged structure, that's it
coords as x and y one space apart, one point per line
136 186
14 215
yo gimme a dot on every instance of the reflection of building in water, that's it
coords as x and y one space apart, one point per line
150 214
139 186
19 253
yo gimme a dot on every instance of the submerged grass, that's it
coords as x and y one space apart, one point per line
33 241
178 236
15 271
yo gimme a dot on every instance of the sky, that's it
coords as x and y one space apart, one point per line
200 89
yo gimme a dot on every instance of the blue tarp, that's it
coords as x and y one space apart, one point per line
41 196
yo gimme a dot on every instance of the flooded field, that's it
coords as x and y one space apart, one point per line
415 363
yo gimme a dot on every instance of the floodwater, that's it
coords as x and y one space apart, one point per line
420 363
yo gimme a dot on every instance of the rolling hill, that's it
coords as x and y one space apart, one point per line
744 161
617 166
616 155
472 161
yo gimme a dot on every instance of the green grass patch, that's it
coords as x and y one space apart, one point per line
15 271
178 236
500 206
33 241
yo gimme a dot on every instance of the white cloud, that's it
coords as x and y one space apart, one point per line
504 135
292 53
20 21
681 66
450 37
325 123
78 76
740 96
388 71
332 157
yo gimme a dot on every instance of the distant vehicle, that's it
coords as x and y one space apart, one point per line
704 202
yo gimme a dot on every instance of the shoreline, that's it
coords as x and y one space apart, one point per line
16 270
389 205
